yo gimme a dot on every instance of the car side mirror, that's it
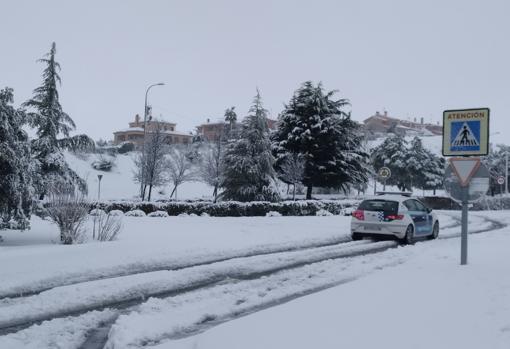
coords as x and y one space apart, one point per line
429 210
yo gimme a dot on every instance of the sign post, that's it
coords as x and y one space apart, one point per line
384 174
466 133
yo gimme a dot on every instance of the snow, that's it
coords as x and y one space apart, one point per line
118 183
254 263
430 301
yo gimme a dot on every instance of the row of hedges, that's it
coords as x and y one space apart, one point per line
231 208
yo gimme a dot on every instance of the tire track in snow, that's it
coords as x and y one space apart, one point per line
352 249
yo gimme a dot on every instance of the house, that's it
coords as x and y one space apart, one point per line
135 132
382 123
213 131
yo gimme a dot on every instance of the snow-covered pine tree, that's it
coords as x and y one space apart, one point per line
314 125
15 182
50 121
248 162
393 153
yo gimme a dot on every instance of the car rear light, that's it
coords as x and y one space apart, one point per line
395 217
359 215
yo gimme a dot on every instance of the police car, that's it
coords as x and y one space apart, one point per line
394 215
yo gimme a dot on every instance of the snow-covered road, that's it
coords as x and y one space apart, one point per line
193 293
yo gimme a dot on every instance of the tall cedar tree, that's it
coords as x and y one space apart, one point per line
15 182
50 121
314 125
248 162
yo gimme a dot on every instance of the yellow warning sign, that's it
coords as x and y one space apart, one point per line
466 132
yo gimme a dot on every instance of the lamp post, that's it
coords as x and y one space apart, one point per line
142 182
99 177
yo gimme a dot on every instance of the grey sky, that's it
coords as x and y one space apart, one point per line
412 58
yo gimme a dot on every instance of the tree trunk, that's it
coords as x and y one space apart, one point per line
150 192
294 192
215 193
174 191
309 192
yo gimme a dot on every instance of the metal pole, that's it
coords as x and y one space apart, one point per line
464 228
142 181
375 185
506 173
384 185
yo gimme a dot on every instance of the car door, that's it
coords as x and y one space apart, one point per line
417 215
421 217
425 216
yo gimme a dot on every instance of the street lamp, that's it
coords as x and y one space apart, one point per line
142 182
99 177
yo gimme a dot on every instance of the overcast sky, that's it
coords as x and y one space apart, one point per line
411 58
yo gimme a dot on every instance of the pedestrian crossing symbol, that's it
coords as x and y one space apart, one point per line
466 132
465 135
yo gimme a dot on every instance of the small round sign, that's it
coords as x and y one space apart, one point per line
384 173
501 180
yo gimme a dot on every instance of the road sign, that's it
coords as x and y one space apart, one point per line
501 180
464 168
384 172
477 185
466 132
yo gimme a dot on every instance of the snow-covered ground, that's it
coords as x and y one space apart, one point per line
430 301
166 280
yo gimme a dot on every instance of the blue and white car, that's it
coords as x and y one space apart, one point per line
399 216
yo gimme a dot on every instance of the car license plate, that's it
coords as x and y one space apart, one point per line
372 227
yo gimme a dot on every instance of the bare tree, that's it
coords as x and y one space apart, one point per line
211 170
292 171
149 167
178 168
68 209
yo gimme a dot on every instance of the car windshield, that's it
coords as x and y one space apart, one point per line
379 205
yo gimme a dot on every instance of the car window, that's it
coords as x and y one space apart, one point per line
420 206
410 205
379 205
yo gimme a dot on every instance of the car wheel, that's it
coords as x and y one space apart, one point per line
435 231
356 236
409 237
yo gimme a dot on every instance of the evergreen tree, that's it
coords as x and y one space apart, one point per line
393 153
248 162
50 121
315 126
15 183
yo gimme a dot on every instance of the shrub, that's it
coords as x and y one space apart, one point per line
126 147
273 214
68 210
97 212
323 212
233 208
158 214
135 213
116 213
106 227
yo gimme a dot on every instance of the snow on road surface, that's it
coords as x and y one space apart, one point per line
428 302
248 282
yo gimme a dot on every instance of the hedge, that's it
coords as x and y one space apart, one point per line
231 208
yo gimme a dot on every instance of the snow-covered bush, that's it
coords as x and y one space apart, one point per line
126 147
116 213
158 214
204 214
135 213
97 212
323 212
68 210
273 214
106 227
183 215
233 208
